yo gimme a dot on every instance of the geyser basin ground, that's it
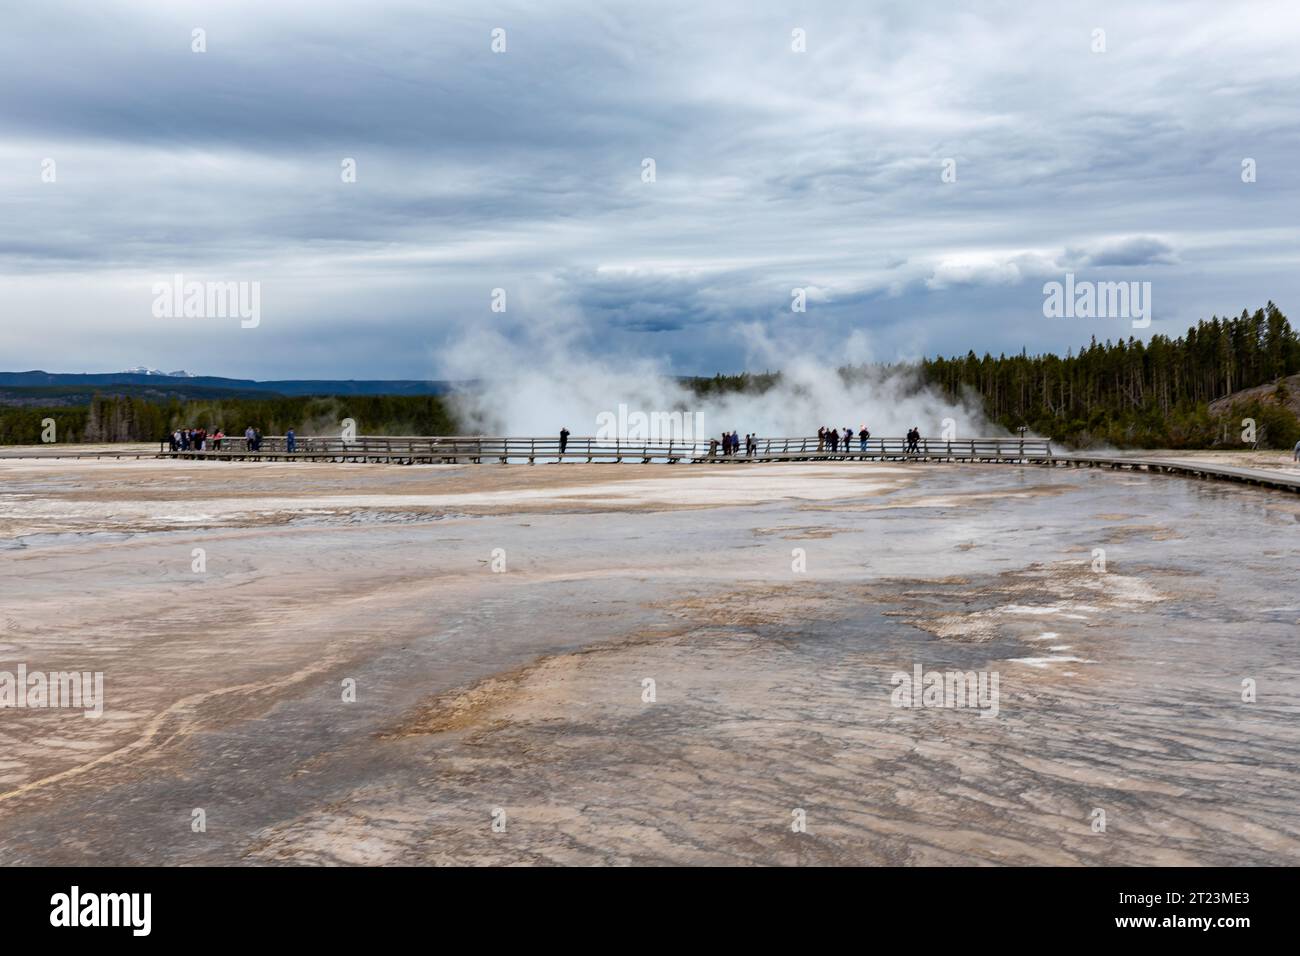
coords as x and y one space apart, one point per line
518 695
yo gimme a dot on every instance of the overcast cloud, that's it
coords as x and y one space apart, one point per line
522 171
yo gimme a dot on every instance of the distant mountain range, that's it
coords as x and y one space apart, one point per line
143 370
212 383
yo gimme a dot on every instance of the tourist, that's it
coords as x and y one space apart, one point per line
1297 451
248 437
290 441
863 435
848 438
564 439
821 438
834 438
713 448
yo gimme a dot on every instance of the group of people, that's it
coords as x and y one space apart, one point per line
200 439
827 439
730 444
196 439
832 438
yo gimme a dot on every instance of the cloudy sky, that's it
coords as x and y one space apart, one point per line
522 170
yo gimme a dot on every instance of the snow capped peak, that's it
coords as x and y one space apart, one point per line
145 370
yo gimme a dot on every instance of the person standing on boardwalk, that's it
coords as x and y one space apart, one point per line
863 435
1297 451
564 439
290 441
821 438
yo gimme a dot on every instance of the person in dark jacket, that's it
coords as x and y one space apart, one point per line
564 439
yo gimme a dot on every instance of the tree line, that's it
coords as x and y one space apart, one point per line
1134 394
122 418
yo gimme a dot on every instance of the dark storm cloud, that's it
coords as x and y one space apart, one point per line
1136 251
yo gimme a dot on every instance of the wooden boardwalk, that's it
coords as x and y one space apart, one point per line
478 450
1185 469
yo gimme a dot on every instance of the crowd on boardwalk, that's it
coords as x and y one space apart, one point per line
730 445
200 439
828 439
196 439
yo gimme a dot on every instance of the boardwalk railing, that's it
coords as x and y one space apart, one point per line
456 449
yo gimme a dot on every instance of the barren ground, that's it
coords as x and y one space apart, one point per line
500 624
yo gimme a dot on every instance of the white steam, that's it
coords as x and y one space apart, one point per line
536 386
